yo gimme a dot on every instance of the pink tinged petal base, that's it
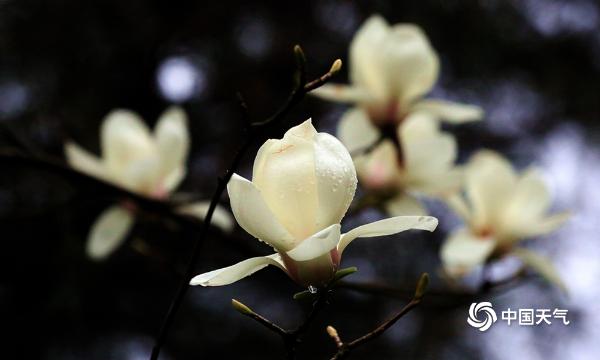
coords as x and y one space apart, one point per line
320 243
315 260
231 274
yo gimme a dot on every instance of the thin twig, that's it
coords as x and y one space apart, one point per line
254 132
245 310
344 348
17 140
291 338
294 337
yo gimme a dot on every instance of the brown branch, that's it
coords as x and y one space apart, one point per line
291 338
294 337
344 348
246 311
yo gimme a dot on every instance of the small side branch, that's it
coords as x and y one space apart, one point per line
345 348
290 338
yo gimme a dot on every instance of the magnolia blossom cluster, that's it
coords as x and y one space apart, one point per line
303 184
500 208
401 154
147 163
391 69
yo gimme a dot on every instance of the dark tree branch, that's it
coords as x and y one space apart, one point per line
344 348
291 338
245 310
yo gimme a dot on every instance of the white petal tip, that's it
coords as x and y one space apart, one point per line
428 223
201 280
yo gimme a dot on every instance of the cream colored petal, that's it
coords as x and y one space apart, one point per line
231 274
336 179
541 265
84 161
143 176
319 244
366 66
287 181
388 227
541 226
411 64
429 154
356 131
404 204
529 202
254 216
489 183
172 139
125 138
457 203
462 251
262 155
342 93
221 217
108 232
173 179
380 169
449 111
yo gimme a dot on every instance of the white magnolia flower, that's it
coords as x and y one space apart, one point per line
301 188
500 209
150 164
420 160
391 69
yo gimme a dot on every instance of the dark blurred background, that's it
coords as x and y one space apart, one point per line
533 65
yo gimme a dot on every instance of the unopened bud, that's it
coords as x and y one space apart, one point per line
241 308
299 53
332 332
422 286
336 66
